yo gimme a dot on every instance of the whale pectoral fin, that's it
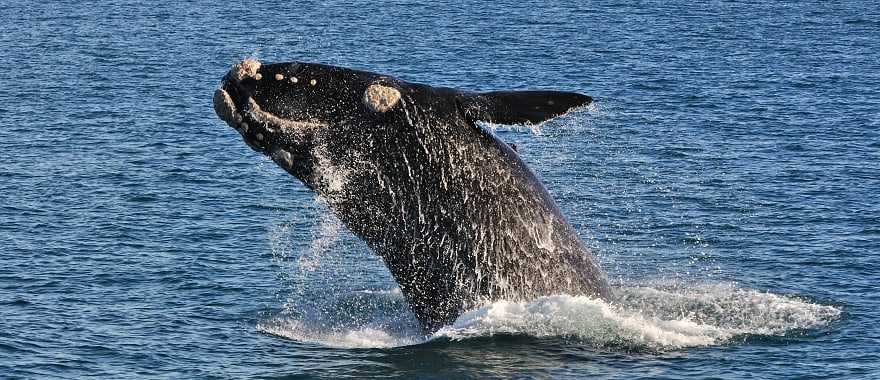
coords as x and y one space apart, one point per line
519 107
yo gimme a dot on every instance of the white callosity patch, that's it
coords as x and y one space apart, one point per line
282 158
381 98
245 69
224 106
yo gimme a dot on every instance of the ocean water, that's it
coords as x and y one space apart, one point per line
726 176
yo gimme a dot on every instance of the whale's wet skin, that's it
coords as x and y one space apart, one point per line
455 214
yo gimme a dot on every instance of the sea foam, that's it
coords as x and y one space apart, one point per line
658 316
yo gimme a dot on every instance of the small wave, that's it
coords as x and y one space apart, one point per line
639 317
359 319
359 337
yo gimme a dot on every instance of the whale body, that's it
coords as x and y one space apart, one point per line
458 218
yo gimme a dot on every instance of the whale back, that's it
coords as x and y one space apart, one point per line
457 216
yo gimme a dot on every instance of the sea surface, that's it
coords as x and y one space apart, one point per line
726 176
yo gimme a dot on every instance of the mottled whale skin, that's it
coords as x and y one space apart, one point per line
456 215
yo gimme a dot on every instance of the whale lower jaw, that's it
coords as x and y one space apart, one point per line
262 131
275 124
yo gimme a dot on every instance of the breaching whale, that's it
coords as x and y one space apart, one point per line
456 215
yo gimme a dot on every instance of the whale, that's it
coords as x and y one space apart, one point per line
455 214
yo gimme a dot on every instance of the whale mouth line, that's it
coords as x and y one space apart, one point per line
274 122
257 126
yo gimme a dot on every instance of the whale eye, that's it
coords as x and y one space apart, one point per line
381 98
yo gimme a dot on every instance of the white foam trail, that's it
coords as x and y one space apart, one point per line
362 337
649 317
589 319
641 317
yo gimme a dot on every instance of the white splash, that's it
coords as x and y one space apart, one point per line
324 238
649 317
330 177
641 317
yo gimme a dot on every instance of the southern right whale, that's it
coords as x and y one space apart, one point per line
456 215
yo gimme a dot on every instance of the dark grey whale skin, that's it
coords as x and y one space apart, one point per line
456 215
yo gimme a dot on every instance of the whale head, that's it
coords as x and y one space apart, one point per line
325 124
294 111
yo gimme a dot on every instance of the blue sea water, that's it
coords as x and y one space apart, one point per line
726 176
